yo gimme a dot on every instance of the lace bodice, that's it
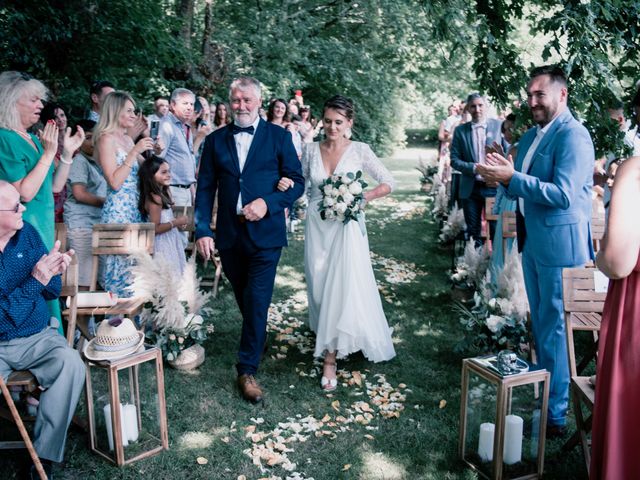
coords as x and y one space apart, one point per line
357 156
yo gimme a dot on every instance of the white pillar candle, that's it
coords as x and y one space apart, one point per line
123 429
513 439
130 415
485 443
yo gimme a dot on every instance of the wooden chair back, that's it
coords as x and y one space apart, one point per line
61 234
488 209
70 290
191 226
598 225
583 308
120 239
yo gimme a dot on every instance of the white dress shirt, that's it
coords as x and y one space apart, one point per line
526 163
243 144
479 138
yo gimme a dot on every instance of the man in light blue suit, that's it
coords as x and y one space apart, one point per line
468 149
552 180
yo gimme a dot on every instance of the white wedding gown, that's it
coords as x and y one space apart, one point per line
345 310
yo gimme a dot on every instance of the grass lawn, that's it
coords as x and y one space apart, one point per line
344 435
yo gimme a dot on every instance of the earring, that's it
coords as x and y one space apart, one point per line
348 133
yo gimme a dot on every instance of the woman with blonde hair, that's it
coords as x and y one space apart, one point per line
119 159
26 160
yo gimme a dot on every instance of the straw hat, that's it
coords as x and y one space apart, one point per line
116 338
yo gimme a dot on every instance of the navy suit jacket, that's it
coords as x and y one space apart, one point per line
271 156
463 155
556 191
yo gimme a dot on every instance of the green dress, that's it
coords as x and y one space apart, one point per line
17 159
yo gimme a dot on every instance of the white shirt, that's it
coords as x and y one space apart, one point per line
526 163
479 139
243 144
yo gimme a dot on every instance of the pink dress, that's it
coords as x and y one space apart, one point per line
616 423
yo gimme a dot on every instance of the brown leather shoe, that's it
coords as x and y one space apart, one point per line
249 388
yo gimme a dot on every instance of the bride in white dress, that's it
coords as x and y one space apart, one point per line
345 310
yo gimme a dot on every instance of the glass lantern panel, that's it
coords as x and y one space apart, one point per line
480 422
522 430
138 403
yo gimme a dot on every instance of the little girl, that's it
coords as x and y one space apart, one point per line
155 203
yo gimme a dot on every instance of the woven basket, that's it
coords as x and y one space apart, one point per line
189 359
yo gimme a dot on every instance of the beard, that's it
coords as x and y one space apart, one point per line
244 119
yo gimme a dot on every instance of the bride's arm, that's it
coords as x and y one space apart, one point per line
375 168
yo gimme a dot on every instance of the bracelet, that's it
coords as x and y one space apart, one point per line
127 164
66 162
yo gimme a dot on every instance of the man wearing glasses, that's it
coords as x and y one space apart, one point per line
29 276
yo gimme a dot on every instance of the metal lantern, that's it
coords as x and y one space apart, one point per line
126 407
503 417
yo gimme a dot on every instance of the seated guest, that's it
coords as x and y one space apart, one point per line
83 208
30 275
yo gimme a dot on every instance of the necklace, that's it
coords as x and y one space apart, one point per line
24 135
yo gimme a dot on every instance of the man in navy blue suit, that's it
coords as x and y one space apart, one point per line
551 179
468 150
243 163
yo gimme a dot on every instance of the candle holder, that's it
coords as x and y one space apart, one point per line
126 407
503 419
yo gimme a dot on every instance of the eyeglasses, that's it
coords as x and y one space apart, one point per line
15 209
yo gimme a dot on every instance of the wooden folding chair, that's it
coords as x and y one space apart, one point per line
61 234
190 229
207 280
509 230
597 229
488 209
108 239
582 312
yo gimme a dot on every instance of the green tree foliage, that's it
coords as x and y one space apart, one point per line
596 41
401 62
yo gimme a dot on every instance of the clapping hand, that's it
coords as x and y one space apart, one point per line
497 169
49 139
72 143
139 127
52 264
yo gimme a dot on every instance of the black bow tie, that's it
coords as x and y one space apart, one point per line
238 129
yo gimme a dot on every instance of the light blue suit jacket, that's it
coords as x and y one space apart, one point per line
464 156
556 191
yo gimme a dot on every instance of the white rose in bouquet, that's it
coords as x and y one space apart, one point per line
347 198
492 304
329 201
355 188
494 323
327 190
329 214
343 189
340 208
346 180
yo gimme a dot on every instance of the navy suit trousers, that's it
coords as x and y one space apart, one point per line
472 208
251 272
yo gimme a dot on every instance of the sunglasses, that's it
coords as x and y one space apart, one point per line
15 209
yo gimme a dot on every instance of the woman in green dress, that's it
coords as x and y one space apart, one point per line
26 160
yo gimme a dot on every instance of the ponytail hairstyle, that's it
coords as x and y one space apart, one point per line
148 187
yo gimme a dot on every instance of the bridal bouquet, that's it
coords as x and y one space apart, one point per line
342 197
